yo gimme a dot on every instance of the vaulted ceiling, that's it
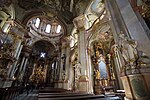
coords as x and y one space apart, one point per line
65 9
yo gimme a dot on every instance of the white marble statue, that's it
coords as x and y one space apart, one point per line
29 42
129 52
128 49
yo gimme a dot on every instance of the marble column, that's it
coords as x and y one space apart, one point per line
118 64
22 63
62 74
90 72
82 55
17 47
24 66
134 26
62 68
68 65
14 66
125 20
67 84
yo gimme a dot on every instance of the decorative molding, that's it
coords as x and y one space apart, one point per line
83 78
79 22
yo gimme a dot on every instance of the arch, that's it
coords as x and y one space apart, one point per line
45 40
31 14
44 46
34 13
45 18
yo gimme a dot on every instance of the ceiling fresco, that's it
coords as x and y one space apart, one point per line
65 9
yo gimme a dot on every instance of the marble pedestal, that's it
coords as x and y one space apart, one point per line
83 84
135 87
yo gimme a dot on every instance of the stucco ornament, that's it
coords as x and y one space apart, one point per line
79 22
97 74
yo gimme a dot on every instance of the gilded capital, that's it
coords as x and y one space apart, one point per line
79 22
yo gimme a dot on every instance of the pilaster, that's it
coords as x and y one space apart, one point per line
82 55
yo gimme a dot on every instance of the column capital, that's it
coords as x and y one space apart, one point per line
79 22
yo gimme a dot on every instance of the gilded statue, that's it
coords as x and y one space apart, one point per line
97 73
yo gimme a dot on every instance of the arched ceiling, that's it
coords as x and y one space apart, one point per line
43 46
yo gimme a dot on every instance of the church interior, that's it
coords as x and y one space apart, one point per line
75 49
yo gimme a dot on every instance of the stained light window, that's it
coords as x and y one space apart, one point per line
37 23
48 28
103 70
53 65
58 29
42 55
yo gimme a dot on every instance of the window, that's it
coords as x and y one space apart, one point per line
48 28
42 55
58 29
103 70
37 23
6 28
40 26
53 65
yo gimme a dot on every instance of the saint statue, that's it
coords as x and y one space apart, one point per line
97 74
29 42
129 52
128 49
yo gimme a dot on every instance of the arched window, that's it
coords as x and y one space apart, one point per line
41 26
37 23
103 70
53 65
48 28
42 54
58 29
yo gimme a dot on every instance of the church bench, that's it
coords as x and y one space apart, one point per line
73 97
62 95
53 91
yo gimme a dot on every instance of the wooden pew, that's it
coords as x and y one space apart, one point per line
53 90
63 95
73 97
60 93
